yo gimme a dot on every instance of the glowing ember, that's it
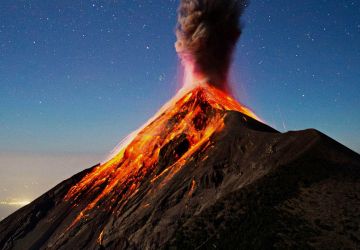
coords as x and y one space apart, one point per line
189 119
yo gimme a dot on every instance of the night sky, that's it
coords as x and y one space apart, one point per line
77 76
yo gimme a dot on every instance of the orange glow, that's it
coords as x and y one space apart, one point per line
192 189
100 238
189 114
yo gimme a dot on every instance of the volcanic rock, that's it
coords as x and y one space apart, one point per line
204 174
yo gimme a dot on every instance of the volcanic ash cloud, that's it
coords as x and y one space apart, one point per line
207 32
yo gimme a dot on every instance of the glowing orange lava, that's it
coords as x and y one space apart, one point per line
194 115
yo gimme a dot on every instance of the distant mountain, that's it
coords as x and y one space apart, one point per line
205 173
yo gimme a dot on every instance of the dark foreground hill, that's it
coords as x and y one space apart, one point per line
237 184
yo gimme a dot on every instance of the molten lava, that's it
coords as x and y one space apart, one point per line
183 127
199 175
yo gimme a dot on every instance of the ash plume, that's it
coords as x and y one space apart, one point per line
207 32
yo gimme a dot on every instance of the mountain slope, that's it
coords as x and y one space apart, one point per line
203 174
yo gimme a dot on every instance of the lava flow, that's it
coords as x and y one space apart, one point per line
207 32
189 120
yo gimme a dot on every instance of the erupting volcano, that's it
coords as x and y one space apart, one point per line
204 172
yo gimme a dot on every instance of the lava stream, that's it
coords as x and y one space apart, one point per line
191 117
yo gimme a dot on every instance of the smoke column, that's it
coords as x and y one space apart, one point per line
207 32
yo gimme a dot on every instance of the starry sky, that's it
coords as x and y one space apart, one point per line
77 76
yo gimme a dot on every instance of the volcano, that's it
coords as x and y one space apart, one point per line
204 173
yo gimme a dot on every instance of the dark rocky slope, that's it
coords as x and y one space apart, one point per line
250 187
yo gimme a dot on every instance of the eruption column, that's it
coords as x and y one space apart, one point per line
207 32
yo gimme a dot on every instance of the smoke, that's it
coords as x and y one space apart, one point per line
207 32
